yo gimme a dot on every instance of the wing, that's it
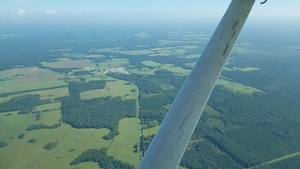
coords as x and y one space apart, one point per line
169 144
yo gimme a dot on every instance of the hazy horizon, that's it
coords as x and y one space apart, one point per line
139 10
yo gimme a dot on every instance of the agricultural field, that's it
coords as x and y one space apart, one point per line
68 63
71 142
117 88
110 90
237 87
122 145
68 139
28 78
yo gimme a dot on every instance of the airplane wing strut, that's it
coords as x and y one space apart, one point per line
171 140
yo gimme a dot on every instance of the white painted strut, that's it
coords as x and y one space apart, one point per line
169 144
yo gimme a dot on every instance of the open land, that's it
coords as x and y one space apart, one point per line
247 116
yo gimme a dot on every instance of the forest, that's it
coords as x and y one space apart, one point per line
103 160
25 104
103 112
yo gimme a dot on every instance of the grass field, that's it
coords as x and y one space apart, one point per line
68 63
123 51
166 86
29 78
113 88
16 154
237 87
45 94
246 69
176 69
211 111
72 55
137 52
179 51
166 51
150 131
277 160
151 63
170 67
122 145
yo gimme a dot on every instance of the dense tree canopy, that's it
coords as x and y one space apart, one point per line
104 112
24 103
103 160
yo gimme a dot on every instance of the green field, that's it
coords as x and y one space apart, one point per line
151 63
121 50
277 160
45 94
176 69
170 67
179 51
246 69
68 63
16 155
113 88
137 52
150 131
251 120
29 78
122 145
71 142
237 87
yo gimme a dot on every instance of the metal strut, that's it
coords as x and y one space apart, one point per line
171 140
264 2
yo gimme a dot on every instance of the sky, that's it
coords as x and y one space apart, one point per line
140 9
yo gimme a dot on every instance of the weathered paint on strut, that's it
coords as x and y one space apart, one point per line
169 144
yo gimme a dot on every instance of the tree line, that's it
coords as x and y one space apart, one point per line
103 160
25 104
42 126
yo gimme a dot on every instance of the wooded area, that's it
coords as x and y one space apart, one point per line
103 160
25 104
104 112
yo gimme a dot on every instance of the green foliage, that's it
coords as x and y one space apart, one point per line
38 115
32 140
3 144
76 87
97 113
51 145
103 160
24 103
82 72
293 162
103 112
42 126
145 142
210 157
21 136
